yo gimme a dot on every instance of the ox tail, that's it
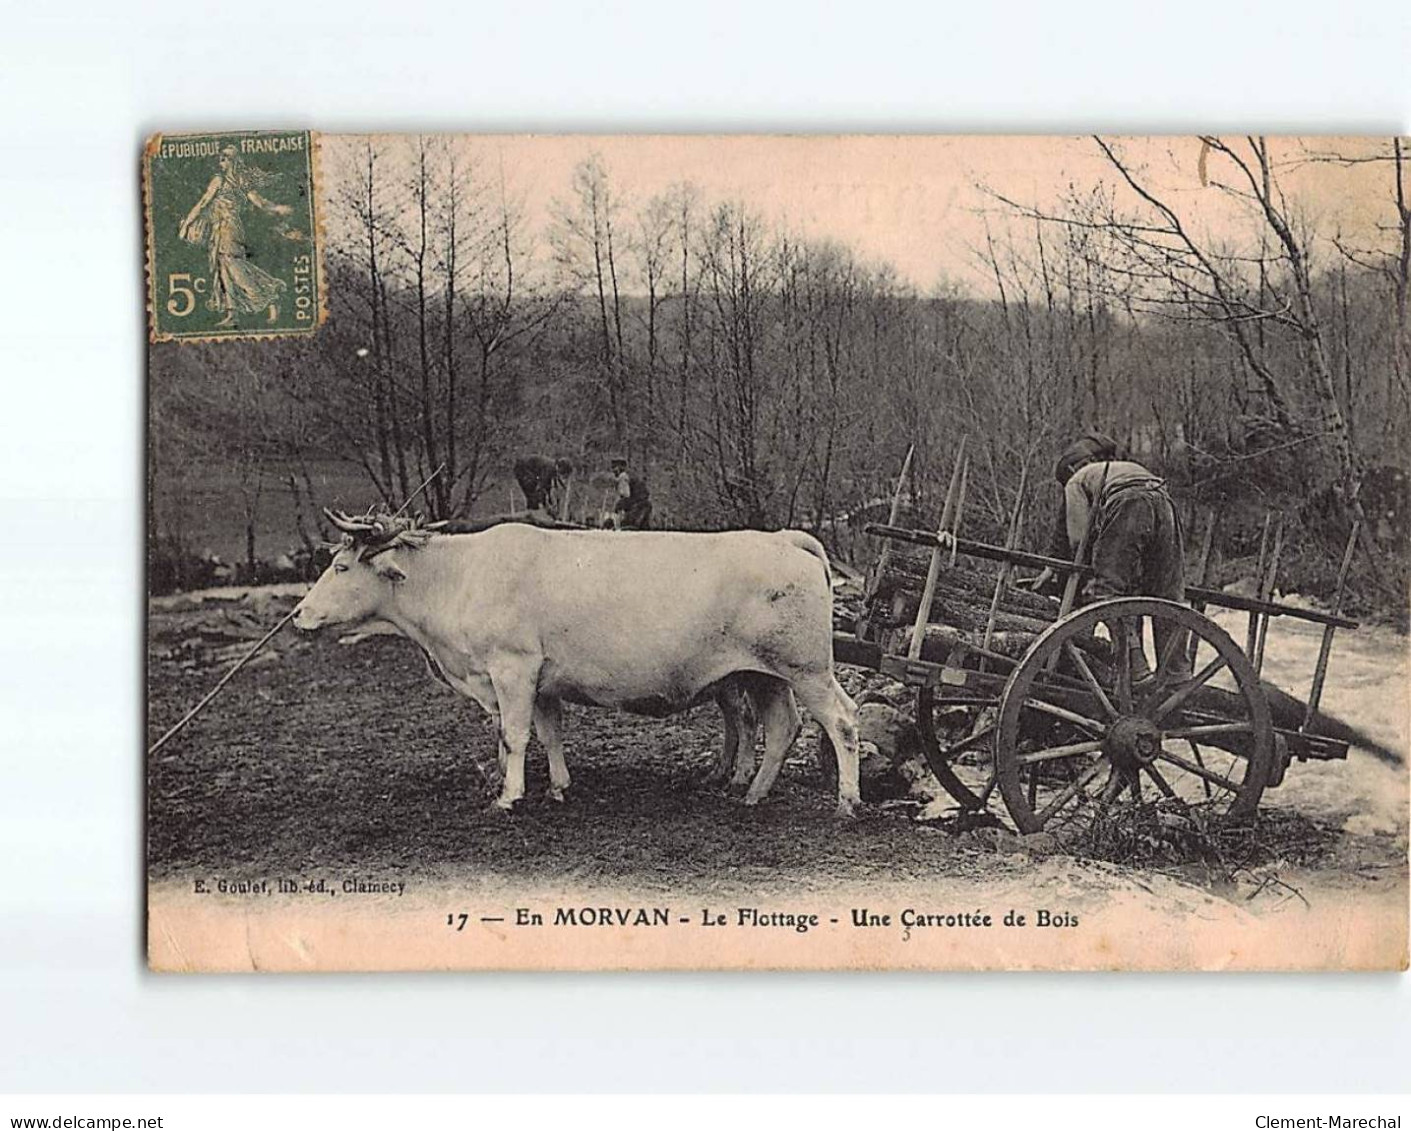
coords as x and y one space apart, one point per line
812 545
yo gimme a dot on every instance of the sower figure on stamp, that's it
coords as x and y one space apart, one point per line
1119 517
634 502
238 285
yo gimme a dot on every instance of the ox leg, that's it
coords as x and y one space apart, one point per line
746 722
739 736
781 726
482 691
724 760
515 692
836 713
548 724
502 754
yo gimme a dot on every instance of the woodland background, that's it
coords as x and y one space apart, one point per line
759 377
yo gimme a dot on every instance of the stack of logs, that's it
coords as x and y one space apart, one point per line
961 608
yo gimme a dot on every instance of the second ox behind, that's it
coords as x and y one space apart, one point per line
522 619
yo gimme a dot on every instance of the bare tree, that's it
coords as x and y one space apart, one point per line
1154 262
504 312
1392 265
584 241
1257 182
435 311
651 246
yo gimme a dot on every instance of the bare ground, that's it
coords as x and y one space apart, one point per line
336 756
332 757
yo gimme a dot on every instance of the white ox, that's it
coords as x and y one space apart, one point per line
521 619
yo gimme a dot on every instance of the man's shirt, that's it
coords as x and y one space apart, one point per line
1087 487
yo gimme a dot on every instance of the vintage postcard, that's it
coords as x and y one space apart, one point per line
775 552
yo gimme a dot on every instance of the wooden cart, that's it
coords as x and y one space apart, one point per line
1038 700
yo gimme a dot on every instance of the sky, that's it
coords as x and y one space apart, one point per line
917 202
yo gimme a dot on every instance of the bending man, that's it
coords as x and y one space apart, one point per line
1119 516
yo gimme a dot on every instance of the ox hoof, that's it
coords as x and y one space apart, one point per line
506 805
846 811
559 796
741 789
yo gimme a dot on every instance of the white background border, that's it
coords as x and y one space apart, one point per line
81 84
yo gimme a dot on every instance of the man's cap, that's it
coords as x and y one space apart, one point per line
1093 445
618 459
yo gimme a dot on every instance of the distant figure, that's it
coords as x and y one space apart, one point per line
634 501
542 480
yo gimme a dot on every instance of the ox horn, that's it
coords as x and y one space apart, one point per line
347 524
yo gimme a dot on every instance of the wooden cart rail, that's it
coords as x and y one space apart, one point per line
1201 596
1196 594
955 680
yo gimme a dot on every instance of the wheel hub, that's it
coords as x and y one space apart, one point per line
1132 741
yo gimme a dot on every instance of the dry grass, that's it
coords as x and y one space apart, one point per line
1171 833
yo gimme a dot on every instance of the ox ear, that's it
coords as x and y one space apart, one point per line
388 570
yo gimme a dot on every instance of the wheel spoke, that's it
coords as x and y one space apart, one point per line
1161 782
1206 730
1067 794
1200 771
1091 680
1168 653
1194 715
1201 678
971 742
1066 715
1122 657
1112 788
1193 643
1069 751
1195 750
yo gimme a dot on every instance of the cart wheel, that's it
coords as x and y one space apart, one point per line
937 758
939 752
1080 730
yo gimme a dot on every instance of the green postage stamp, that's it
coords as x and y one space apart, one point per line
232 235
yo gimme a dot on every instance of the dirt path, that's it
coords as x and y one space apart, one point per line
329 757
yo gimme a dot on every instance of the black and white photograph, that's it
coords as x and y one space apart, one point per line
735 565
766 551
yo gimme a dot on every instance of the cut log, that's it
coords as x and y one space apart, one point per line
903 573
942 639
959 611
